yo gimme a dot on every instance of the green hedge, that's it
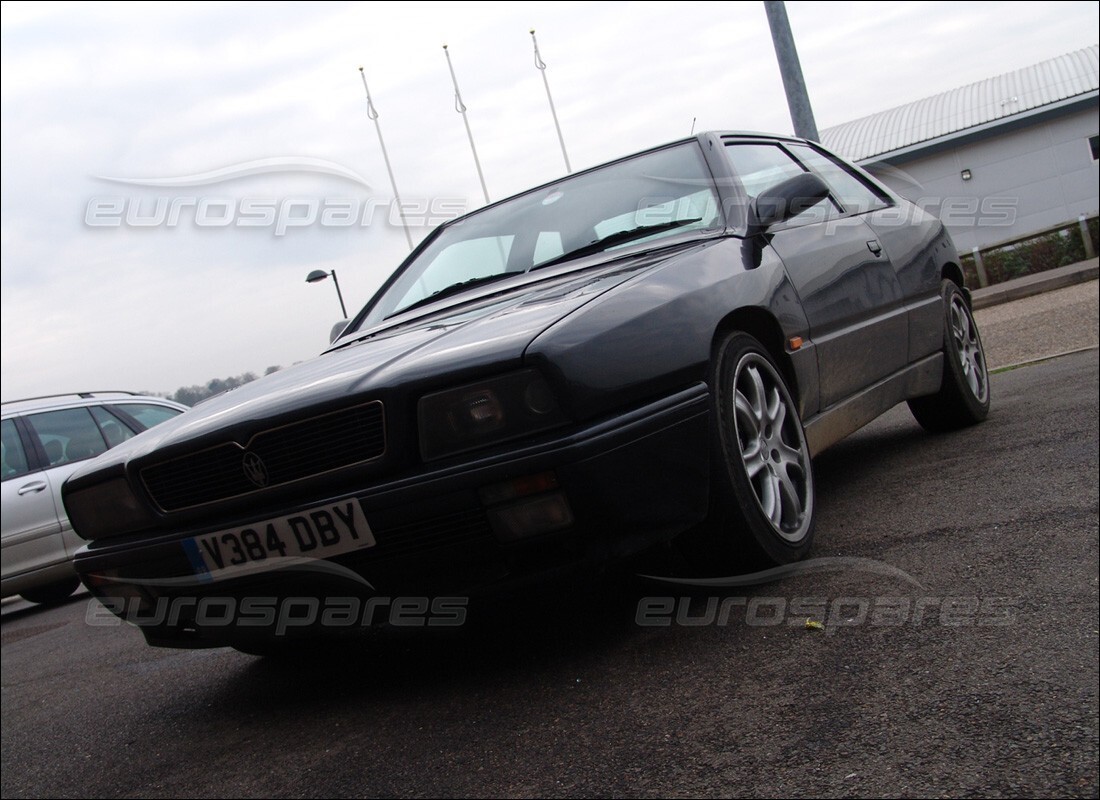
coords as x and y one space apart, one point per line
1047 251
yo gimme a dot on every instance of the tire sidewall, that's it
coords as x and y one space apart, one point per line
953 370
53 593
733 488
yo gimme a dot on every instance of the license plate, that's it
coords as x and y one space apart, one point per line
271 543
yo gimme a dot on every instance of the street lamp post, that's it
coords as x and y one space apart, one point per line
798 99
319 275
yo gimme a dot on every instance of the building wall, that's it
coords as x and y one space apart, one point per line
1022 180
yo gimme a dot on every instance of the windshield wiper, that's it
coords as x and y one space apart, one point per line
454 288
619 237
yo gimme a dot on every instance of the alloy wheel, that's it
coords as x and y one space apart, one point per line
773 448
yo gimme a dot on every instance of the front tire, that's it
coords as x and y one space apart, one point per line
762 485
963 398
52 593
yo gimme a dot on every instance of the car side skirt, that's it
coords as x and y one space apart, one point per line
834 423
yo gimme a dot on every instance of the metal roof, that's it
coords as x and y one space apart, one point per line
986 101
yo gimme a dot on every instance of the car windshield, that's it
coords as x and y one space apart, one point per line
639 200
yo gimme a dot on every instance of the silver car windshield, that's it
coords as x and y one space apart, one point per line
625 204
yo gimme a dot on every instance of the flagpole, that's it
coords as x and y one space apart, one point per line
460 107
372 112
541 66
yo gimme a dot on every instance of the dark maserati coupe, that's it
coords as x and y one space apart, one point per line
650 351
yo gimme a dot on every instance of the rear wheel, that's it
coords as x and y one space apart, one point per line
762 486
963 398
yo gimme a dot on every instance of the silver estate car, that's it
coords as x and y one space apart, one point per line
44 440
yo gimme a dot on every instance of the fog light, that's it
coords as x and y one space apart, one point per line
538 515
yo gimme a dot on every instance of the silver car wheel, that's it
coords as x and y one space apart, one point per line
773 448
969 349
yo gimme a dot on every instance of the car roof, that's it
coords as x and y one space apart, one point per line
77 399
723 135
702 136
786 137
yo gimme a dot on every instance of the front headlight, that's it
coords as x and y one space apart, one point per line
487 412
108 509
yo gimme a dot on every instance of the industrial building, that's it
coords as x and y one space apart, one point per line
999 159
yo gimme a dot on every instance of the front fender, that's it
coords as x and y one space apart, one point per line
652 335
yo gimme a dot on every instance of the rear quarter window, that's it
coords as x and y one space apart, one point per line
149 414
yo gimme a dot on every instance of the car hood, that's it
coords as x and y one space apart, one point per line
409 352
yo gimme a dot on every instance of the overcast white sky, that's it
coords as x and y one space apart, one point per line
159 91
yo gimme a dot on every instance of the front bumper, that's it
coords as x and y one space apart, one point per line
630 481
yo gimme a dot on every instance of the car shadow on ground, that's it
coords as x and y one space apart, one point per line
503 641
514 646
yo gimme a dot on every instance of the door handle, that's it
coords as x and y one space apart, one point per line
30 488
874 247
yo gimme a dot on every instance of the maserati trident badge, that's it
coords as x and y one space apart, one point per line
255 469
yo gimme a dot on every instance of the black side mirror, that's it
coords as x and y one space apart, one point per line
787 199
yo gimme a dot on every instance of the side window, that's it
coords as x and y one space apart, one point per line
149 414
68 436
762 166
855 195
112 428
14 457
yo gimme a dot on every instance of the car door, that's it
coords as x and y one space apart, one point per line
31 535
65 438
907 234
843 275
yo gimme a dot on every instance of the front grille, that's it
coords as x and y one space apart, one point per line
286 454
